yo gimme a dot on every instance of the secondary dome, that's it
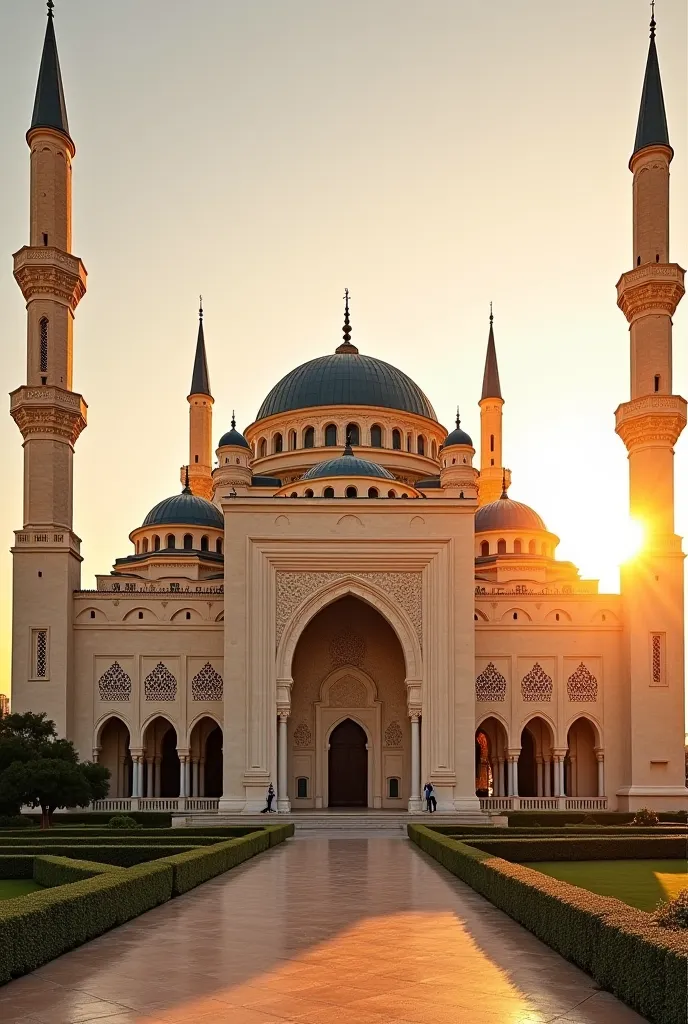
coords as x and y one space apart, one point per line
347 464
346 378
505 514
457 436
234 437
185 509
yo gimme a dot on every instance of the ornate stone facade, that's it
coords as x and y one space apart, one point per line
207 684
582 685
115 684
490 685
160 684
536 685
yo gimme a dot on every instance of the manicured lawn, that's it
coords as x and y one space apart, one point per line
11 887
640 883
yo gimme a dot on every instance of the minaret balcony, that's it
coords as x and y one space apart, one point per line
651 421
48 272
651 289
48 412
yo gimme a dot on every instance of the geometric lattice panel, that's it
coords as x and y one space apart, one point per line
394 737
114 684
160 684
582 685
490 685
536 685
206 684
302 735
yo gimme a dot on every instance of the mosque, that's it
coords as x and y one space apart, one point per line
343 599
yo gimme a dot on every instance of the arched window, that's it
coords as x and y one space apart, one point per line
43 326
517 547
404 495
262 448
170 540
409 443
391 494
328 492
501 547
434 449
376 435
373 492
351 492
491 442
188 542
309 438
353 434
531 547
421 445
330 435
156 543
308 493
293 494
396 440
277 444
292 440
218 546
145 545
485 548
204 544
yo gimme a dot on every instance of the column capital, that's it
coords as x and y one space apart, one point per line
283 714
414 714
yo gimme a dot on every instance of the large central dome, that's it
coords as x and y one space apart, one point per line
346 378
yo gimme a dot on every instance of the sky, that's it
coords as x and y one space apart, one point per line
431 157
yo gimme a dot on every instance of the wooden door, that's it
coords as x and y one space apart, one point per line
348 766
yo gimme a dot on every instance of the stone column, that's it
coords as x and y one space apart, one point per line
187 776
513 755
599 754
540 780
415 805
573 776
548 775
283 805
182 776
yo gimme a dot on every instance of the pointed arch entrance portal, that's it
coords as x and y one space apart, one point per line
348 766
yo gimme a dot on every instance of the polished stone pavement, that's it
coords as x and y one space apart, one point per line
361 929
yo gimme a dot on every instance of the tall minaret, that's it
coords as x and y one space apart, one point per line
491 402
200 421
47 563
649 425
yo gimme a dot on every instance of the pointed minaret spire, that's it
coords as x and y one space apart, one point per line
491 388
652 122
200 380
49 109
346 348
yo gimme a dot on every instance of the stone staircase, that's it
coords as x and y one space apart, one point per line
334 821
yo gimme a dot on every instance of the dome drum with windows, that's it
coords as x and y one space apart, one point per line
182 525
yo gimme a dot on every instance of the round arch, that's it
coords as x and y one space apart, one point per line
366 592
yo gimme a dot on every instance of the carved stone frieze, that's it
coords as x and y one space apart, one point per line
302 735
651 419
50 272
347 648
48 410
348 693
293 588
394 737
654 286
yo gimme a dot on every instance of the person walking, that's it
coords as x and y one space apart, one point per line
269 798
429 797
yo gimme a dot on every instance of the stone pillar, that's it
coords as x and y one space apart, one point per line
513 755
548 776
283 805
182 776
540 780
187 776
599 754
415 804
573 776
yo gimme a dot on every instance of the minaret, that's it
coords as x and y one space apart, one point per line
49 414
200 421
649 425
491 402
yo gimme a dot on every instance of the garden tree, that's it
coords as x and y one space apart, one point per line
40 769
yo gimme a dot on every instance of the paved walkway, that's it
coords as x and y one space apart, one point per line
319 930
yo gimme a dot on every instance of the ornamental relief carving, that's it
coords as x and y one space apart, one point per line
348 693
394 737
648 428
302 735
50 420
347 649
294 587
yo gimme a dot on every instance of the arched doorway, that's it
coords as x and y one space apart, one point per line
114 754
536 760
348 765
527 766
491 758
580 767
213 763
205 751
161 777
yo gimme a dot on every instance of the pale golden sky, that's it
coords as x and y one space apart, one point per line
267 153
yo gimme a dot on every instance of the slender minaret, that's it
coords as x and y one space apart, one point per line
649 425
49 414
200 421
491 402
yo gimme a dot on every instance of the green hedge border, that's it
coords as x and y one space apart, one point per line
622 948
86 898
660 847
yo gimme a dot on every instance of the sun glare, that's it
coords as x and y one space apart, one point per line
628 539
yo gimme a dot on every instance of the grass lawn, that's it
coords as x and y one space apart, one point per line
11 887
640 883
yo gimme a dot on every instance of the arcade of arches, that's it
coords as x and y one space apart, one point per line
349 733
537 768
161 767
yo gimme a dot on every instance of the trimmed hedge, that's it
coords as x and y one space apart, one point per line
549 819
124 856
585 848
153 819
13 866
622 948
52 871
82 831
39 927
110 838
196 866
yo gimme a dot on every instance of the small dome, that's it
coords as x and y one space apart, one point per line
185 509
505 514
347 464
234 437
457 436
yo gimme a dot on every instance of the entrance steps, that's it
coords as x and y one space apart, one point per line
335 821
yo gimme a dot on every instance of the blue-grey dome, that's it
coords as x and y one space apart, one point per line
234 437
347 465
346 378
505 514
185 509
457 436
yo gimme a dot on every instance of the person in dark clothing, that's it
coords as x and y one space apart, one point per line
428 793
269 798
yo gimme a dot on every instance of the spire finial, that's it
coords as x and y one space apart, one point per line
233 420
653 23
50 6
458 418
504 491
187 489
491 314
200 307
346 329
348 450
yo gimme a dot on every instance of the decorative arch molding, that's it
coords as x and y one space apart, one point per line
544 718
149 721
596 727
329 587
102 722
335 691
204 716
498 718
354 718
